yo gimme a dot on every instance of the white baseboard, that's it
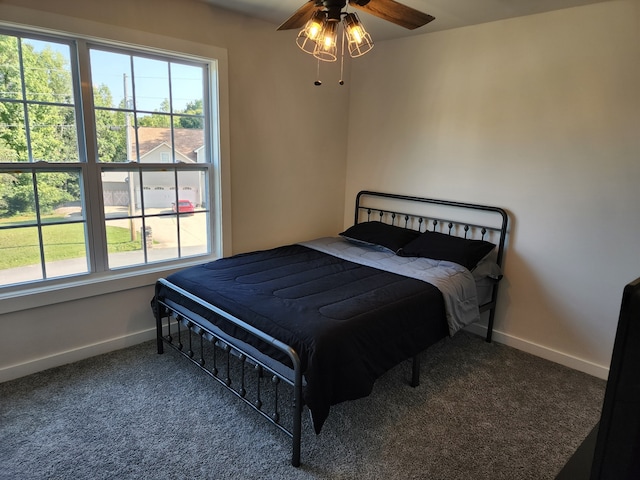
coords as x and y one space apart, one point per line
69 356
37 365
543 352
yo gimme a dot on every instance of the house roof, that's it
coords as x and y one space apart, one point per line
187 140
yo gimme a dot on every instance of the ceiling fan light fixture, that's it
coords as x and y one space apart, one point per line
311 32
326 46
320 21
359 40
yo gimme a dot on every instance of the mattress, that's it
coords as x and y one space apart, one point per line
348 322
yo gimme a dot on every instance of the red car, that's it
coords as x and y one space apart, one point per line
184 206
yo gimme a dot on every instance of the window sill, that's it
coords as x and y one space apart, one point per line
88 286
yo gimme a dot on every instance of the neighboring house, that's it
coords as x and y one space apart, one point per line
154 146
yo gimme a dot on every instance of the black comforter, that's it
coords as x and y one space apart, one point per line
349 323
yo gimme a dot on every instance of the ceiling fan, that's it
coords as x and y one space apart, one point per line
388 10
320 19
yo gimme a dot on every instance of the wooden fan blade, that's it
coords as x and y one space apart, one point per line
394 12
300 17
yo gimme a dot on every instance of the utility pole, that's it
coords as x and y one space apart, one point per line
132 191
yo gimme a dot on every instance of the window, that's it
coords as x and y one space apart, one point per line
90 177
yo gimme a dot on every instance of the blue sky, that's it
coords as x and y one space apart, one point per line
151 77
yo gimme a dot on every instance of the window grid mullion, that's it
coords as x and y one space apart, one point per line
92 183
172 133
134 111
36 201
25 109
178 222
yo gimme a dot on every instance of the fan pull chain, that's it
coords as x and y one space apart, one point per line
341 81
317 83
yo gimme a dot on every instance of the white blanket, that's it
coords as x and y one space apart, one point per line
454 281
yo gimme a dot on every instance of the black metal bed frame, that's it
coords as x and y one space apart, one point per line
218 353
450 227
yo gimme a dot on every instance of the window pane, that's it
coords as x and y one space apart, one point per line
111 74
194 231
193 234
41 126
162 238
190 141
65 249
115 193
47 71
64 237
166 124
154 120
187 144
60 197
159 191
114 132
118 187
187 86
188 121
19 255
17 199
124 242
13 138
112 90
59 193
192 186
172 224
155 144
54 202
53 133
10 82
151 84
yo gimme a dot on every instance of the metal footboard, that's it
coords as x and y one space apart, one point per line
220 355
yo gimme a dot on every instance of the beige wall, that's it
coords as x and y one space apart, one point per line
539 115
283 185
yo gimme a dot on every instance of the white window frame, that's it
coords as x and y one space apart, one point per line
23 297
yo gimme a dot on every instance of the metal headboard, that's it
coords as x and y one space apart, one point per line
367 209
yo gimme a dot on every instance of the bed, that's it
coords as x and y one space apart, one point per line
313 324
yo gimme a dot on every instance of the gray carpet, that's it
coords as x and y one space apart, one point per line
481 412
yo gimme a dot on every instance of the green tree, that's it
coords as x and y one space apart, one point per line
47 80
53 189
197 120
110 127
13 142
50 114
191 117
6 184
158 119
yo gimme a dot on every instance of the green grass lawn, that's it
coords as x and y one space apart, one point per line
19 246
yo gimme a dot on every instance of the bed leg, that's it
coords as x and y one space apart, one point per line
157 309
415 371
295 458
160 345
296 439
159 341
492 313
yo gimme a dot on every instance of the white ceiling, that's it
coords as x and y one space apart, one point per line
449 13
